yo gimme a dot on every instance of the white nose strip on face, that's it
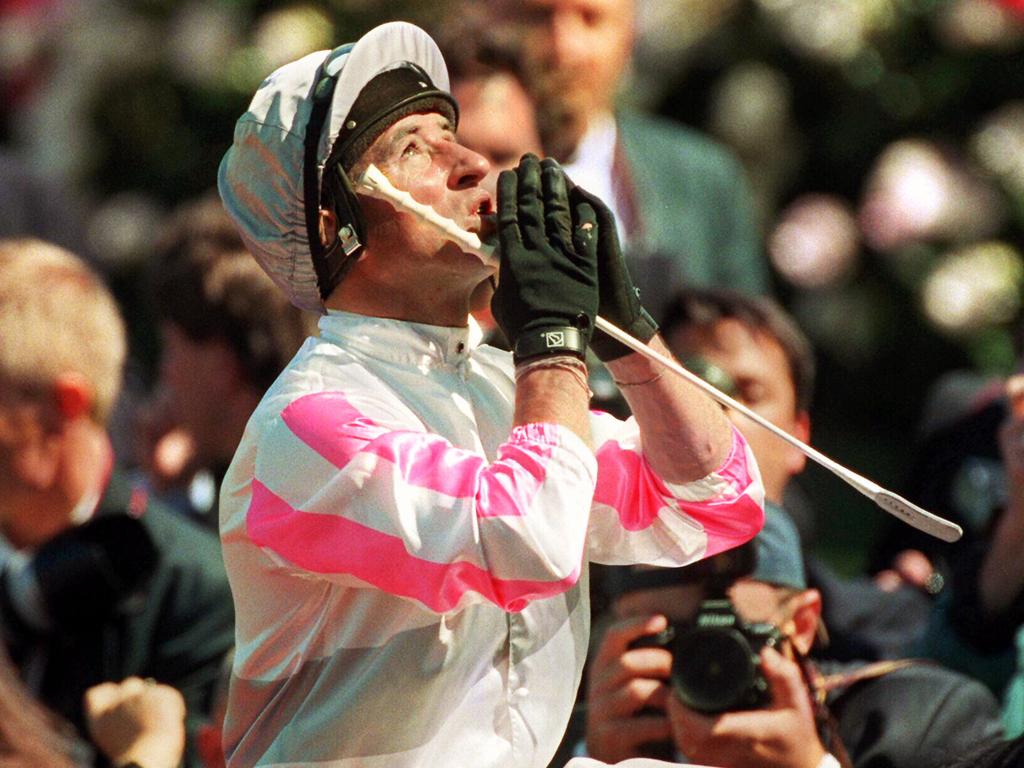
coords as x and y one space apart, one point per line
374 182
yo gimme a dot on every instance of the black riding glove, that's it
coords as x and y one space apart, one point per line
619 298
547 283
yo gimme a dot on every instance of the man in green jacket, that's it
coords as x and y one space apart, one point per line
681 200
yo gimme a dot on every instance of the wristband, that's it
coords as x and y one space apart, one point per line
564 340
569 363
651 380
828 761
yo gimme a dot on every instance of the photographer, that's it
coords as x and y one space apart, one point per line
786 711
752 349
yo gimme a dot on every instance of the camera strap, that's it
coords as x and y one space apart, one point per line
828 729
825 684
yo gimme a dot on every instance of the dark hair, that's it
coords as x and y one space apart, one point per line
702 308
473 46
209 286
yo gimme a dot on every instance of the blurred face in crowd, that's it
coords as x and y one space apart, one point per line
760 371
200 378
20 428
48 444
496 120
580 49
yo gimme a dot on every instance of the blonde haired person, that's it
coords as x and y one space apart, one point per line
42 283
96 582
60 371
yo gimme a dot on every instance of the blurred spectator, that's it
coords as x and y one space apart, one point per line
750 611
97 583
227 332
497 116
978 624
751 349
955 471
132 721
1001 574
137 722
681 202
967 468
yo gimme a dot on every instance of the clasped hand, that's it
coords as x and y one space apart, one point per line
561 264
546 298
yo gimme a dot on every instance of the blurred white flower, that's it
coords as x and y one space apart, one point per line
815 243
286 34
750 109
201 37
668 32
999 145
833 31
974 287
668 26
916 192
969 24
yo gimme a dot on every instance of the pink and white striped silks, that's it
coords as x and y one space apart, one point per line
410 572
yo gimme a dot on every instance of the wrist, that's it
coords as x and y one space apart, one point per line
574 366
649 380
811 753
635 368
555 394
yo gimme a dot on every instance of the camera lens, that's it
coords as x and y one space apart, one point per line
712 668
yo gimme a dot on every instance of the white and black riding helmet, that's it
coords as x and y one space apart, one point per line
307 125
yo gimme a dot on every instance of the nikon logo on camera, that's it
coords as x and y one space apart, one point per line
715 620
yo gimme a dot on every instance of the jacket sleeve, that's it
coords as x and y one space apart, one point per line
346 490
639 518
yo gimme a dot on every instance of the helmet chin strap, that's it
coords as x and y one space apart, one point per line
332 262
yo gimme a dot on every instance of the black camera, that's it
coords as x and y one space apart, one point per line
716 665
81 575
